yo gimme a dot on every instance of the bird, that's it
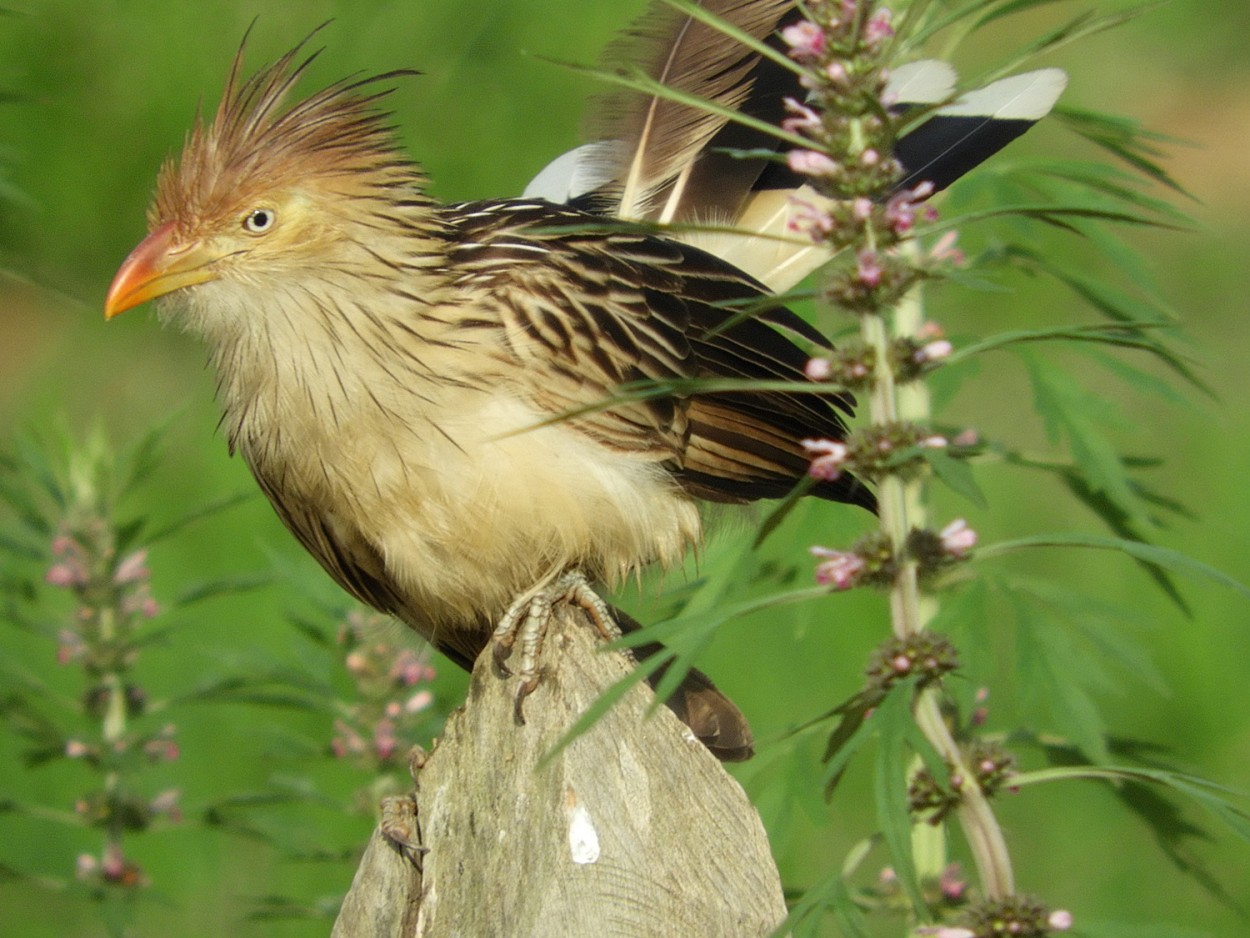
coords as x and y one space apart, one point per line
428 393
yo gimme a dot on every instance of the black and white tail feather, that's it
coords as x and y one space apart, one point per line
661 161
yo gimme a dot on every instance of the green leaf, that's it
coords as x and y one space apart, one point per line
1127 335
893 722
608 699
965 16
25 549
1069 412
1106 626
287 909
831 894
778 514
848 736
227 586
315 633
1052 675
1161 556
142 459
1079 27
1203 791
277 688
1124 139
1105 181
199 514
1144 791
1116 520
1141 380
956 475
28 513
1058 215
1008 8
1128 311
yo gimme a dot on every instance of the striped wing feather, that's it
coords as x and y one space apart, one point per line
588 310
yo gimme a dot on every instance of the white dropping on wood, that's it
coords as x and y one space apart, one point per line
583 838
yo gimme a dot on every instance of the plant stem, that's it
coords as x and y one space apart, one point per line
902 509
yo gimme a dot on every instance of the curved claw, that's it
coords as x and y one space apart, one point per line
501 650
523 689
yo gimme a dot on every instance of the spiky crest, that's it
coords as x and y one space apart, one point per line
254 146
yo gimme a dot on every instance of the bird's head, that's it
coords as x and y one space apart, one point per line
266 194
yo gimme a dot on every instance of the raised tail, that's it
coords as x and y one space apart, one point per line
661 161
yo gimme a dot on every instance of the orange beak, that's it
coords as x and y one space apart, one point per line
156 267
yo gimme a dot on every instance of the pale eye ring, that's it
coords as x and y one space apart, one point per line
259 221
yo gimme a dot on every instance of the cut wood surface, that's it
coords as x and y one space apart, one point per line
632 830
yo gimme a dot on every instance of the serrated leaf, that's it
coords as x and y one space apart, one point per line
1124 139
893 723
777 515
1107 181
1067 411
1119 306
956 475
1127 335
127 534
1009 7
143 458
280 688
27 550
1142 789
1079 27
284 909
848 736
1141 381
1100 624
1056 214
1051 675
313 632
1116 520
28 513
1164 557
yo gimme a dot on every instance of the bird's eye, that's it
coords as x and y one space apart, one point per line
260 220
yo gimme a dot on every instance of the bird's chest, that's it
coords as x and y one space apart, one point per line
462 498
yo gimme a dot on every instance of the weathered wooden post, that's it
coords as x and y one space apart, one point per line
634 829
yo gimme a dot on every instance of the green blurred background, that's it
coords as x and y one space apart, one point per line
103 92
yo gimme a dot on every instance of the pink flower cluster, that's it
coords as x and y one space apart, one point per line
112 868
390 698
75 568
839 568
828 458
957 538
906 205
1059 920
810 41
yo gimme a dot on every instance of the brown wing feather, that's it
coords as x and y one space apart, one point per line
660 138
586 309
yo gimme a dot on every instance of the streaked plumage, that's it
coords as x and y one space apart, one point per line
392 370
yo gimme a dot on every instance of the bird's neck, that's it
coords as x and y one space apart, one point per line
340 347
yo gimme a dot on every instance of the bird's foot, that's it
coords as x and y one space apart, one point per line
400 823
524 627
401 826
